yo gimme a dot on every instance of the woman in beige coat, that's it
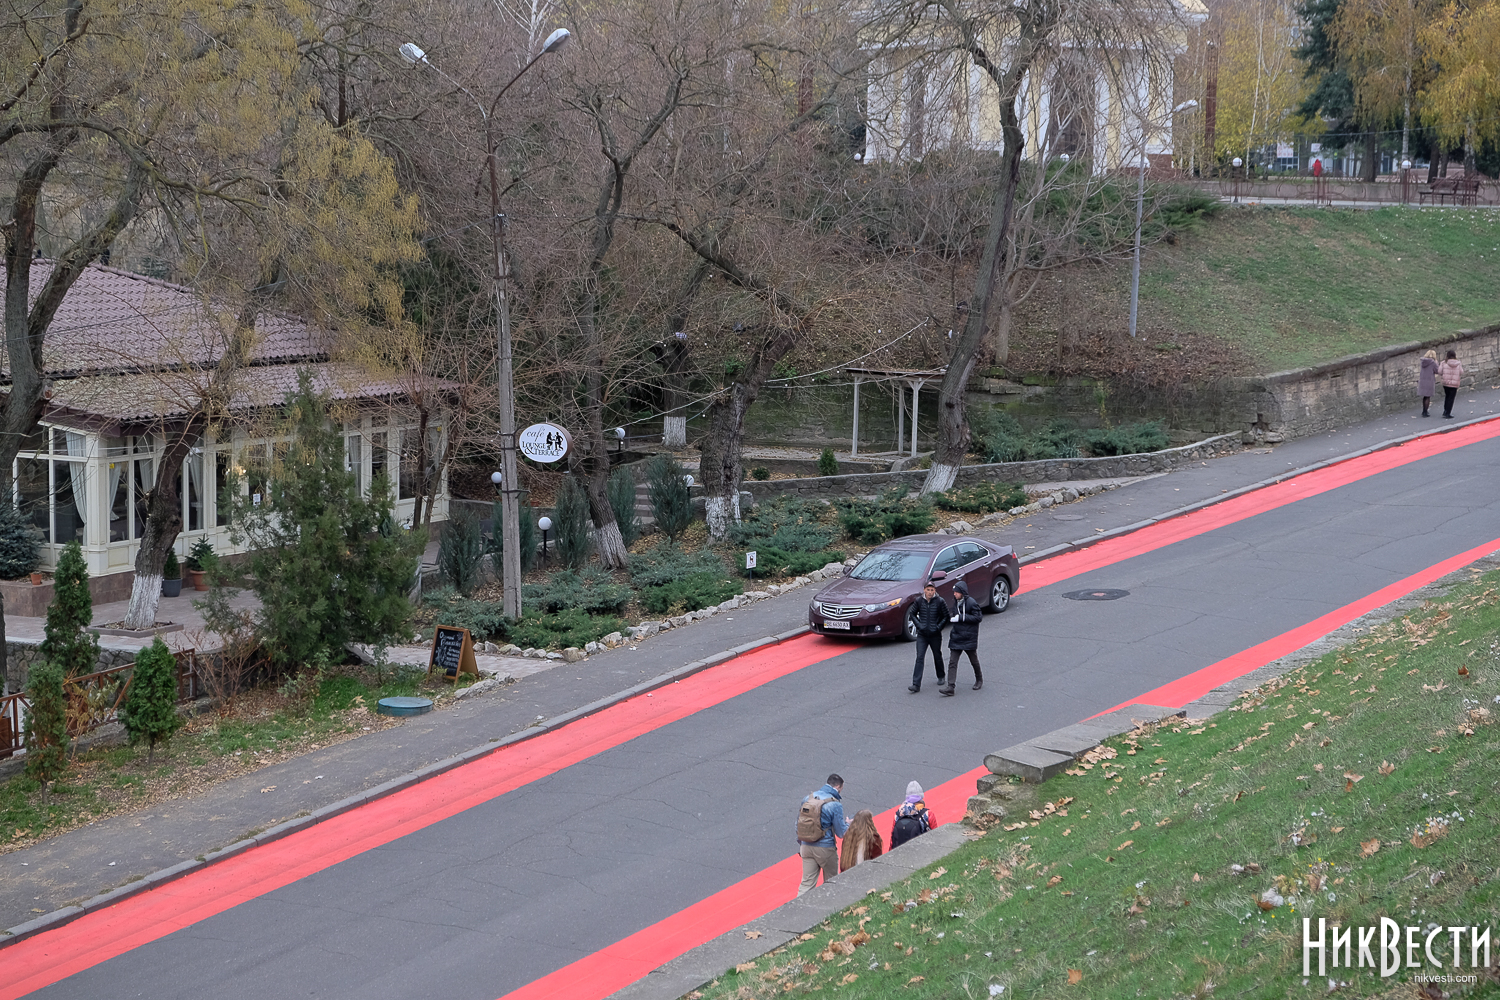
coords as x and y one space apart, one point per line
1452 375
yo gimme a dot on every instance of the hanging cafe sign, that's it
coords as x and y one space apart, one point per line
544 442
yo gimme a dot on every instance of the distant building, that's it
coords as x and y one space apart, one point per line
128 359
1069 106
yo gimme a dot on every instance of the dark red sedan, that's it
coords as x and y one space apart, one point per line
874 598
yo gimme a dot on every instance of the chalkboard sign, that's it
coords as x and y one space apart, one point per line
452 652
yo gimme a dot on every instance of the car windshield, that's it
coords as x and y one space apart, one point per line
892 564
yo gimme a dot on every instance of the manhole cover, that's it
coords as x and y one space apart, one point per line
402 705
1096 595
1067 517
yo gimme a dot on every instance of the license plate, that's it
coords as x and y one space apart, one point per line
837 624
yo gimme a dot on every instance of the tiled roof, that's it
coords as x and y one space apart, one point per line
147 397
112 320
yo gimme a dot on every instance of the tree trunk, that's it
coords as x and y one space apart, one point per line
1371 167
672 355
721 466
674 432
163 525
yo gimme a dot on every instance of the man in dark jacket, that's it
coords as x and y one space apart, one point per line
964 637
930 614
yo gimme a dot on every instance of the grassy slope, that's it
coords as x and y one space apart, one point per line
1128 883
1300 286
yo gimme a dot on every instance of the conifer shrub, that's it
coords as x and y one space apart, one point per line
827 464
66 644
328 564
981 498
461 550
20 544
690 593
526 532
150 709
665 562
671 503
622 502
570 521
46 722
171 569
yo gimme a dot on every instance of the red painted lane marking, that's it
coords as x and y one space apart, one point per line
96 937
622 963
1195 685
1107 553
618 965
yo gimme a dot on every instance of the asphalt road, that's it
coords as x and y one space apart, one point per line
490 899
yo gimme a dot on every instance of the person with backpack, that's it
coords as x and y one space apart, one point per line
963 637
913 818
929 613
820 818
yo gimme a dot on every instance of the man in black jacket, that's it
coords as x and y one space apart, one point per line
967 614
930 614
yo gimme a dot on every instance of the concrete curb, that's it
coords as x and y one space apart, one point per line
67 914
1129 529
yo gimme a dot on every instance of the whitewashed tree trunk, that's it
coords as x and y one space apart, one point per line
145 598
940 477
674 432
721 512
609 546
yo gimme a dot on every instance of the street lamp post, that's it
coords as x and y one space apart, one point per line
510 505
1140 206
1405 182
1237 164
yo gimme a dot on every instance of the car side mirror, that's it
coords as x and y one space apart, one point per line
848 570
939 576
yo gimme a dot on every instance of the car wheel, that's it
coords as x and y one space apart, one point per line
909 632
1000 594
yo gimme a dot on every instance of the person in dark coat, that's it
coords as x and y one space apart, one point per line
963 637
1427 380
930 614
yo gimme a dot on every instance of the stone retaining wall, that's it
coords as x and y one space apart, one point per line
1052 470
19 656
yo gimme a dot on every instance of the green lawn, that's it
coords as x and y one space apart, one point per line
1296 287
1361 786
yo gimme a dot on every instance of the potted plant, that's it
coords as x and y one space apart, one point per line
198 559
171 575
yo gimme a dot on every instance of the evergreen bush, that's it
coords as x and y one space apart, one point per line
74 651
665 562
526 531
171 569
827 464
570 627
699 590
622 502
593 590
570 522
671 503
482 619
46 722
461 550
1127 439
891 516
771 561
760 473
200 555
328 564
20 544
150 709
785 523
981 498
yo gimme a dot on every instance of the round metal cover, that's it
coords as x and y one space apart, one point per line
1067 517
403 705
1102 594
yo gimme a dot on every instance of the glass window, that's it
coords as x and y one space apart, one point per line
354 460
411 459
192 490
118 492
892 564
377 455
948 560
143 480
31 493
221 488
67 495
36 441
970 552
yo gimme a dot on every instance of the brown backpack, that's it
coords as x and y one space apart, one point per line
810 818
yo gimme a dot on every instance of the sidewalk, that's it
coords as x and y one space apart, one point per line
109 853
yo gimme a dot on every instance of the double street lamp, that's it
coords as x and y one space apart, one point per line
1140 206
510 504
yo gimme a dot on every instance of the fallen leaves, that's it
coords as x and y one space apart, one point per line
744 967
1337 829
1075 976
1054 880
1368 848
752 935
1124 845
939 873
851 977
1351 779
1386 767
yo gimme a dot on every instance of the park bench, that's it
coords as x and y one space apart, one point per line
1462 190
